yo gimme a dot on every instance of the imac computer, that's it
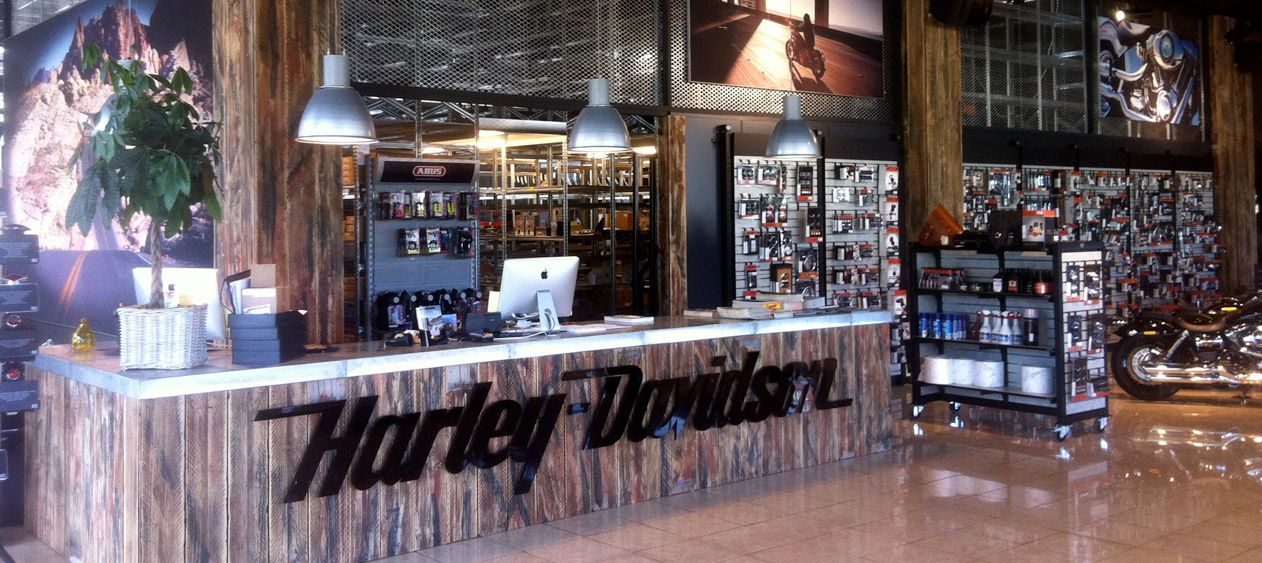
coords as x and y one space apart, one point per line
539 285
197 286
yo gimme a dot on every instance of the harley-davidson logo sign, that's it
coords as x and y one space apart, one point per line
628 408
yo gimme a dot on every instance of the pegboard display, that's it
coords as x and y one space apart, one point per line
1198 252
421 222
1158 228
832 233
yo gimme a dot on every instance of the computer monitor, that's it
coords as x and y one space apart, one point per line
524 278
197 286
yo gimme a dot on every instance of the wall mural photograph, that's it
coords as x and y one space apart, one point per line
48 99
827 46
1149 70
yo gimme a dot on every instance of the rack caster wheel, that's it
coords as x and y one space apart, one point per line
1062 432
1101 424
916 411
955 407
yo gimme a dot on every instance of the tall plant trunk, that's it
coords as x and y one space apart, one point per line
155 255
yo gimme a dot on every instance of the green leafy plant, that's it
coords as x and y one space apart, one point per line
151 155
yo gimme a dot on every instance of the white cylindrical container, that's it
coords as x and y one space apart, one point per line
988 374
935 370
1036 379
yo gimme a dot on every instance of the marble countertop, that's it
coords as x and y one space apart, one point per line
100 368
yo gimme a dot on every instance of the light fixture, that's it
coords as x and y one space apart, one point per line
336 114
1119 15
792 138
599 128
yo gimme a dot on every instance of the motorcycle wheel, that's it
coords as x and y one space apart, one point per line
1128 352
817 66
789 50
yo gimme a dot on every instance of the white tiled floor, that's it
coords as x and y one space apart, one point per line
1176 481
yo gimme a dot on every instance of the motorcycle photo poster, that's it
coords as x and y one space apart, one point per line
832 47
1150 68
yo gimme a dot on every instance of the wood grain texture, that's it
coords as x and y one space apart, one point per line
197 479
932 127
281 198
672 208
1235 170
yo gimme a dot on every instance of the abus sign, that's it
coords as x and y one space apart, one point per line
429 171
628 407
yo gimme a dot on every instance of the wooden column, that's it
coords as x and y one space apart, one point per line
672 237
282 199
932 130
1235 173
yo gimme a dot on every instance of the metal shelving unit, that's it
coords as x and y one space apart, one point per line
1071 331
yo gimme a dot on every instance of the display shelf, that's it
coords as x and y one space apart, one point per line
540 200
1007 390
826 228
980 344
1059 335
414 261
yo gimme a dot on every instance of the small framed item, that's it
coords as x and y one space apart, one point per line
782 277
806 181
769 174
746 173
433 241
409 242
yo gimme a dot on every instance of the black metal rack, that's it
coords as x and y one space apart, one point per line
1072 342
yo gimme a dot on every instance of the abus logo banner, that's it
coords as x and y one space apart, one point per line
428 171
628 407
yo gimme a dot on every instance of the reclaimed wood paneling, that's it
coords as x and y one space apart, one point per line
672 209
234 91
281 198
932 127
196 478
1235 172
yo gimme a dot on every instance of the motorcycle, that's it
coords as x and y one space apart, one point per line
797 52
1160 353
1147 75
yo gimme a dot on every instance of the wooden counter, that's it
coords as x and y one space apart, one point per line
541 431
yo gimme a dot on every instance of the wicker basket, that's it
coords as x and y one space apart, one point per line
162 338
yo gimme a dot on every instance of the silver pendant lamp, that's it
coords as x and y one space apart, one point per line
792 138
599 128
336 114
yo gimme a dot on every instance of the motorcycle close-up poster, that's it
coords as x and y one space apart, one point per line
1150 68
832 47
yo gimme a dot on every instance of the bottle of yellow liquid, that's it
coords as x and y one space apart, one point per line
83 340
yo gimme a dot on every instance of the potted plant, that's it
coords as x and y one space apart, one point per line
151 156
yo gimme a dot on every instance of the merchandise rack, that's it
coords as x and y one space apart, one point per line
540 200
1071 328
386 269
1155 226
838 234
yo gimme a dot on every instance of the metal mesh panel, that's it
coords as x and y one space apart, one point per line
737 99
545 48
1025 69
29 13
